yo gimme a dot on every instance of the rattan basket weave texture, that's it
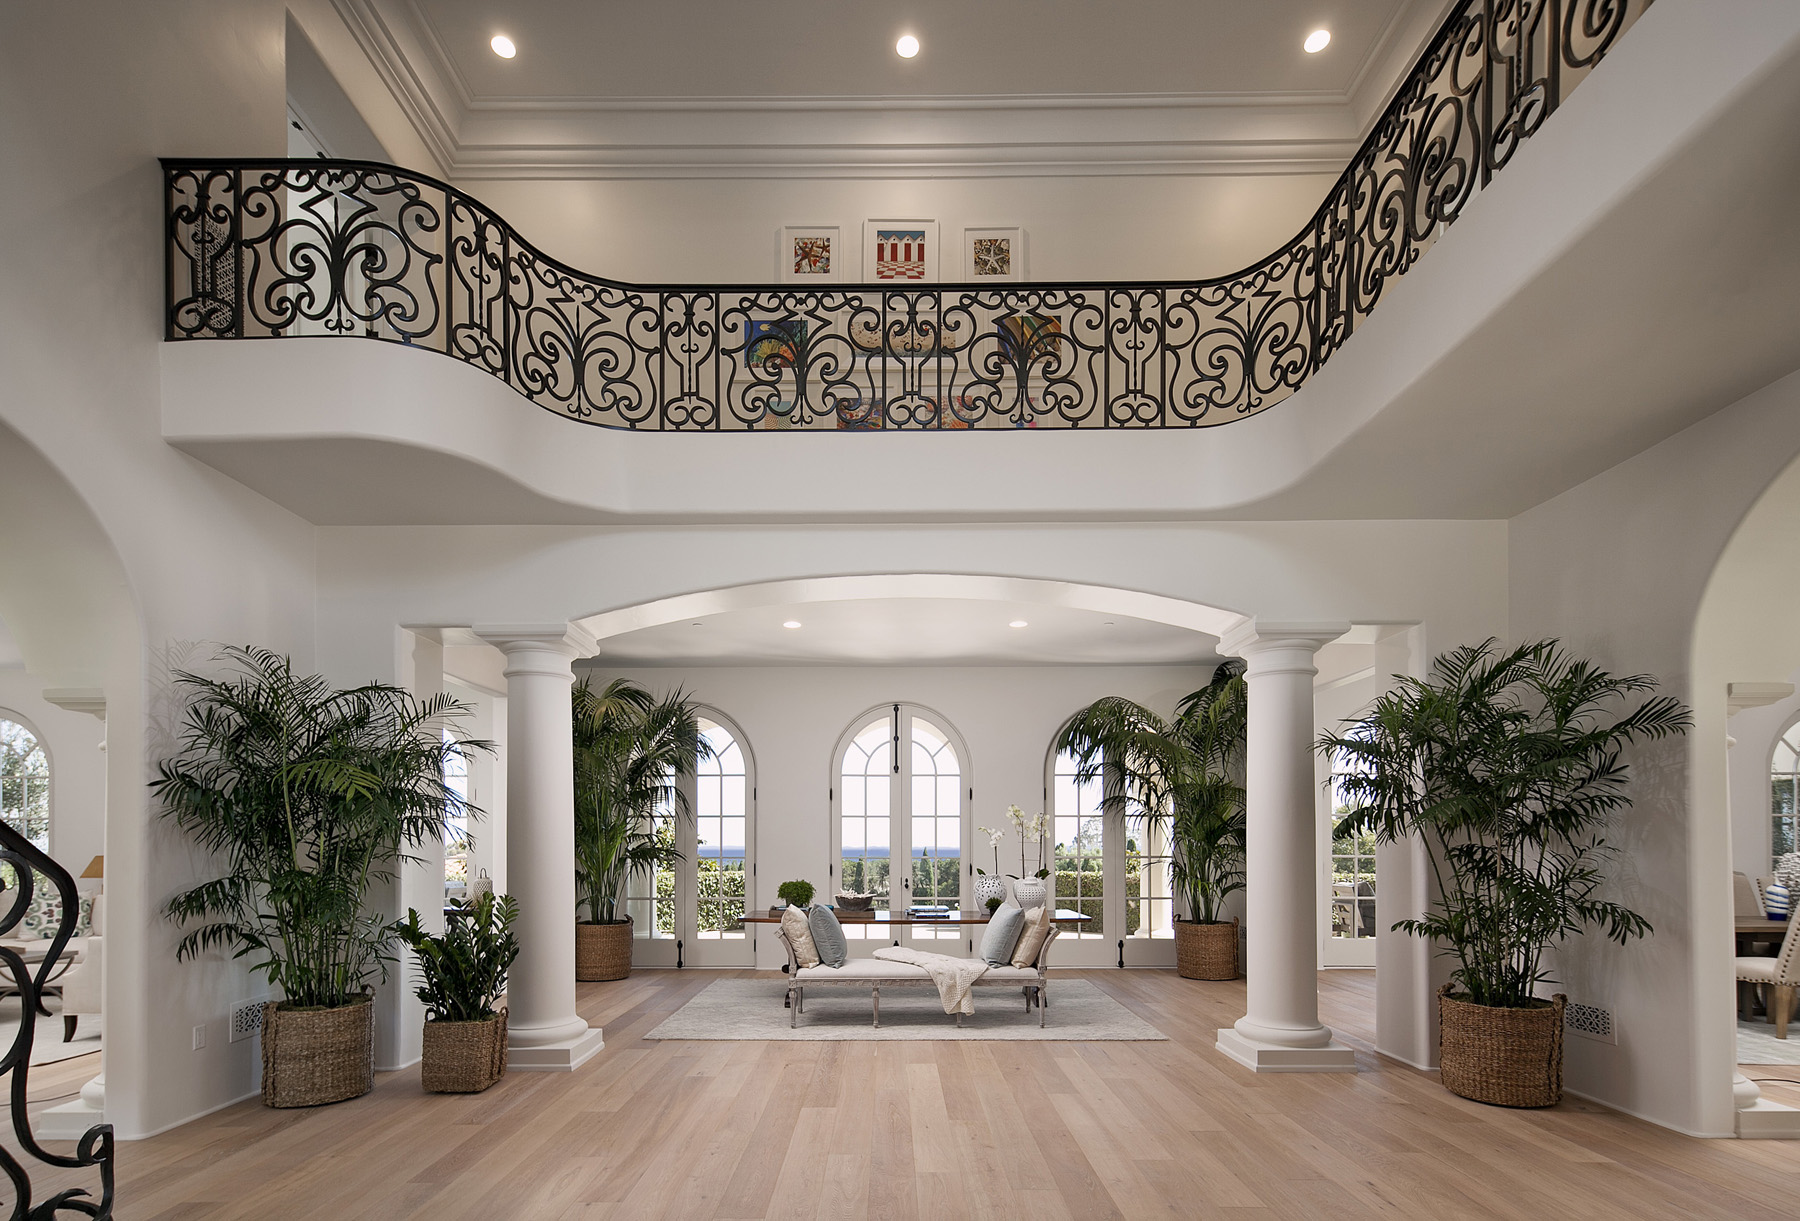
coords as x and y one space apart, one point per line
602 951
463 1057
314 1056
1206 951
1505 1057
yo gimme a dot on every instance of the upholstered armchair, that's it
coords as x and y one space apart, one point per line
1779 975
81 984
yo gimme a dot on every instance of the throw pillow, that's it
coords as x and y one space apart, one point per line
1002 936
828 936
1776 901
799 935
1032 936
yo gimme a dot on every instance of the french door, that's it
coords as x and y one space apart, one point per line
901 801
1112 868
691 913
1349 902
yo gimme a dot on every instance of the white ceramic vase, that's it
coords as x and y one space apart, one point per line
1030 892
989 886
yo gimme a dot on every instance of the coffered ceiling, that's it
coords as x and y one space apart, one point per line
737 88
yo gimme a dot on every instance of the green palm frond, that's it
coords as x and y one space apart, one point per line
1507 763
1183 775
306 795
631 752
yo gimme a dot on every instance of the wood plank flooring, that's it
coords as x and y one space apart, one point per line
1050 1131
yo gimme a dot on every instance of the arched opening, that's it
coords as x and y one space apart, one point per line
24 780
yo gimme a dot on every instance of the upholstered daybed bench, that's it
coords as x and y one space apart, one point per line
877 973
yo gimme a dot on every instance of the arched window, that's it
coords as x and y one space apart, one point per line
902 796
1784 775
1078 831
692 912
24 783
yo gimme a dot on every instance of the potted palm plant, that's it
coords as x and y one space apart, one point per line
1183 776
1507 765
308 795
463 974
631 748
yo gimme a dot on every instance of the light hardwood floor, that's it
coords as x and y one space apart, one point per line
939 1130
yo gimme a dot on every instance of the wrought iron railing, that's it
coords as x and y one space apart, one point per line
95 1148
266 249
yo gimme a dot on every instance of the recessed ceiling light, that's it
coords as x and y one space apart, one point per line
1018 623
907 47
1317 41
791 624
503 46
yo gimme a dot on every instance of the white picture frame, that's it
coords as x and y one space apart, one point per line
792 260
978 262
888 253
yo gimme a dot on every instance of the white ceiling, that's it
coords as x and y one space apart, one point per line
811 88
573 50
910 631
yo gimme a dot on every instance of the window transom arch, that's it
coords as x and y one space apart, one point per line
24 780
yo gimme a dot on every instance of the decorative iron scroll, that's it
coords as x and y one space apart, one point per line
267 249
95 1148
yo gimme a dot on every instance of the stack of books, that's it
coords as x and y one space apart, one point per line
929 911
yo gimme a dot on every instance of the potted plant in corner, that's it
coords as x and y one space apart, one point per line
308 795
1182 776
630 750
1507 766
464 974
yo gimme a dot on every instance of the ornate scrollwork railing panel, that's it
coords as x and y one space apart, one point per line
95 1148
278 249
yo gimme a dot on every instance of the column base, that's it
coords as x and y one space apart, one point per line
1262 1057
70 1121
1767 1120
561 1057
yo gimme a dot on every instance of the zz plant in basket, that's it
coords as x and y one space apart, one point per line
463 973
1507 765
308 796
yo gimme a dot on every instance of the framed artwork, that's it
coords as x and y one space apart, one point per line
994 254
809 254
900 251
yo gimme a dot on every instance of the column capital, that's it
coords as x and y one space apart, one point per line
565 638
1252 636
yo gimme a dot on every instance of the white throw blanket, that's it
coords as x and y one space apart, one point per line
955 977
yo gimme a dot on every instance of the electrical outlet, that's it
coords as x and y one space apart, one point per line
246 1021
199 1037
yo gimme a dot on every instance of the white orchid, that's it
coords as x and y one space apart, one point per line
994 837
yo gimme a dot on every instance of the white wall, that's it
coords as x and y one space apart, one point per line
794 716
1618 568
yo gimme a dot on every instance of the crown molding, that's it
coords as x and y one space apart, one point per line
819 136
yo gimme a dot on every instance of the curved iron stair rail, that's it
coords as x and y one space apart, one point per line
96 1147
276 249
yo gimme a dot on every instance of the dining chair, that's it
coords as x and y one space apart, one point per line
1780 975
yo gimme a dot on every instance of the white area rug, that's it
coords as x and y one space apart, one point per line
752 1009
47 1046
1757 1044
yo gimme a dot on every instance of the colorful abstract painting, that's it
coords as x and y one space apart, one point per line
1029 337
853 415
812 256
900 254
773 343
992 256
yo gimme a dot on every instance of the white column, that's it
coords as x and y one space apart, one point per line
544 1031
1281 1032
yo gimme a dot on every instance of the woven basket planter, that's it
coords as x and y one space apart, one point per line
463 1057
602 951
1206 951
314 1056
1504 1057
